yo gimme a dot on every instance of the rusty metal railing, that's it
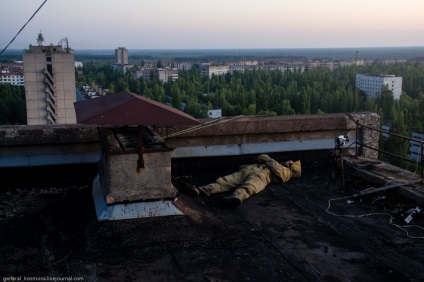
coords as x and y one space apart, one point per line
421 142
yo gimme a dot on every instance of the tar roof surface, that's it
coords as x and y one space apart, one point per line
289 232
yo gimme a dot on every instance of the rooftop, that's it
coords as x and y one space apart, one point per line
304 230
318 227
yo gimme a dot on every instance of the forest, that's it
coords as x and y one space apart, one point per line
12 104
261 92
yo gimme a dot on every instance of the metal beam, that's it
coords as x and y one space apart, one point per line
374 190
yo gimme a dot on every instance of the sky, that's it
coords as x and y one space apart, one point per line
217 24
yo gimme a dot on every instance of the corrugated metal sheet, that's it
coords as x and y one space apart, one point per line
126 108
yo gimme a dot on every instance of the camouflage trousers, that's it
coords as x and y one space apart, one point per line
244 183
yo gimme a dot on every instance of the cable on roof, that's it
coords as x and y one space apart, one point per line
391 218
23 27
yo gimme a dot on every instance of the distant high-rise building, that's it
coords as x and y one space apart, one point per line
121 62
49 85
372 84
121 56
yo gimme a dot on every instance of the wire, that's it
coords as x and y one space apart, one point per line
23 27
204 125
194 128
401 227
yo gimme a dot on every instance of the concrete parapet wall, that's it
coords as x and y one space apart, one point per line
248 129
17 135
252 134
37 145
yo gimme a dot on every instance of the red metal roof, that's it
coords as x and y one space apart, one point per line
126 108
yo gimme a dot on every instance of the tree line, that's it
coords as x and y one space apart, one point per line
272 92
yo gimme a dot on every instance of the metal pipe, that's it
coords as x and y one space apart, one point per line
373 190
356 138
387 153
140 161
391 133
422 159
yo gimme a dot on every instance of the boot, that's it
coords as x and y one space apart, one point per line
232 201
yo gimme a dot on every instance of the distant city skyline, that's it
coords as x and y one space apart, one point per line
219 24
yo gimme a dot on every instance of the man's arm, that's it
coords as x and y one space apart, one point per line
282 172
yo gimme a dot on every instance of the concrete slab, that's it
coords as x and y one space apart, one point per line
382 174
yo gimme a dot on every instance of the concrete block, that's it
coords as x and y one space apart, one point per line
129 183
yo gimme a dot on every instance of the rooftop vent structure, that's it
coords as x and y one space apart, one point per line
134 177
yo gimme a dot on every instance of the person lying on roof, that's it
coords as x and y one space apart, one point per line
249 180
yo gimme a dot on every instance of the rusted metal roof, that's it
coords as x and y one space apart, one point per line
126 108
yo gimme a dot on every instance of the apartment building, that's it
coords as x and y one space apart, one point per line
12 73
215 113
332 65
121 56
240 68
242 63
209 70
145 73
123 68
121 60
49 85
149 64
78 64
372 84
183 66
166 74
12 78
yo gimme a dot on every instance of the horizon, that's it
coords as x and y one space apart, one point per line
345 53
229 49
224 48
198 25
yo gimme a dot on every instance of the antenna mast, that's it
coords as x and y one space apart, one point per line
64 43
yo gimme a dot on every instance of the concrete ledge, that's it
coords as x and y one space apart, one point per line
383 174
64 144
40 145
259 134
14 135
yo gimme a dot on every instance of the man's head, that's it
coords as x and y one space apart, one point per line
296 168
